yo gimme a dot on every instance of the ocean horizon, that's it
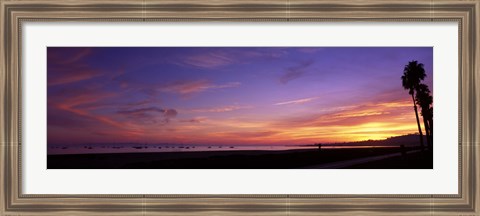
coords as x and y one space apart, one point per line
152 148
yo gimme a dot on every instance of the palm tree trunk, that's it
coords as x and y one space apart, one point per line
427 133
418 123
430 123
430 130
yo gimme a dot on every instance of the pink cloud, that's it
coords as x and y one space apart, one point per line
77 56
64 77
69 67
75 103
60 56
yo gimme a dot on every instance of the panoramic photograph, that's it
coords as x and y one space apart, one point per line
240 107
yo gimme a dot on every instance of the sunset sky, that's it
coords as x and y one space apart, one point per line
229 95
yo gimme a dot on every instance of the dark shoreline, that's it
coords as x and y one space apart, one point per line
251 159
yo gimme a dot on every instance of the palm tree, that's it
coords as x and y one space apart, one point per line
425 100
430 120
413 73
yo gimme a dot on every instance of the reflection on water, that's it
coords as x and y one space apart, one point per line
137 148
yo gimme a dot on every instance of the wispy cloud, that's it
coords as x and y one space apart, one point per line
246 135
353 115
69 67
309 49
295 72
219 109
220 58
195 120
73 103
61 55
189 87
77 56
360 122
99 105
150 114
298 101
208 60
273 53
71 76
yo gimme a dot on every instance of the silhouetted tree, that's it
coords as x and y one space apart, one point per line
425 100
413 74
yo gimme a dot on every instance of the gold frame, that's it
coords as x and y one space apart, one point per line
14 12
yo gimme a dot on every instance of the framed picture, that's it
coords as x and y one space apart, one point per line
234 108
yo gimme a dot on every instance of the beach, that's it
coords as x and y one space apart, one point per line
250 159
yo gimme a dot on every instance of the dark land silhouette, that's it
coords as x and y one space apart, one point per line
405 149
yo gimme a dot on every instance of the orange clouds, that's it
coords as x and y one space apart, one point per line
370 121
351 123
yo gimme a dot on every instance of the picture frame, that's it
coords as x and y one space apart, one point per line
14 13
